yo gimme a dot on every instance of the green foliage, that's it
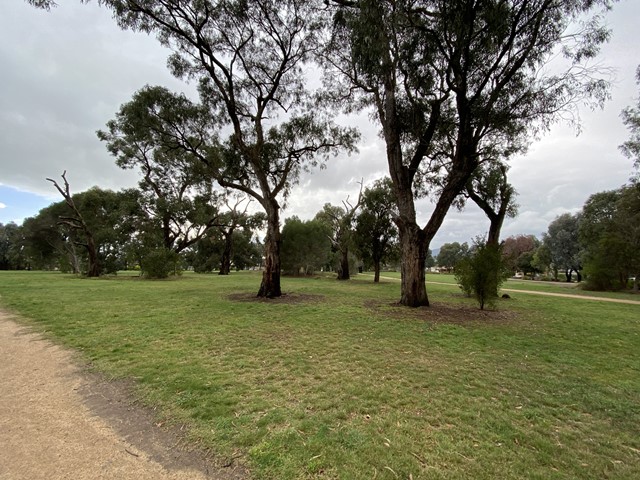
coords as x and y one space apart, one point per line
610 238
375 234
306 246
563 243
11 247
456 83
482 273
451 254
160 263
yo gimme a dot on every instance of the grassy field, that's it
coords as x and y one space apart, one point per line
334 381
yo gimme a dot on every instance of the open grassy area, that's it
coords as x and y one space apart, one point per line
334 381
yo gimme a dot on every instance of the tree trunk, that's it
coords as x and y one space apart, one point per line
376 269
343 269
568 273
270 286
94 264
414 254
225 261
579 275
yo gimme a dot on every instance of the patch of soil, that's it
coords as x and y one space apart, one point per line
286 298
445 314
114 401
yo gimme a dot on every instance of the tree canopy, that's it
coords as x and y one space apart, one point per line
463 75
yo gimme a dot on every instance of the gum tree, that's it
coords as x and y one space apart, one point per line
475 68
249 59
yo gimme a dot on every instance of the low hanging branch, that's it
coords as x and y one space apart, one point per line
77 222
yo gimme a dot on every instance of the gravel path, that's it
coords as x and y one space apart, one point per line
56 422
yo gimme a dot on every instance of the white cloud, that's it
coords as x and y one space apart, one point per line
2 205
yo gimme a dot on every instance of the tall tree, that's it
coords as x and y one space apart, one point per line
472 67
375 232
11 247
174 193
249 59
562 240
451 254
518 252
631 118
609 235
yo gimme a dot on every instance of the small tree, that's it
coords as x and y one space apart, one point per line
482 273
375 234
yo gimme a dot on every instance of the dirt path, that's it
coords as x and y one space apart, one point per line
58 423
534 292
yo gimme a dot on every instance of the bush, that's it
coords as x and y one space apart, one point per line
482 273
160 263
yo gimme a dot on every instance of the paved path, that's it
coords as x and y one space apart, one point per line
534 292
47 431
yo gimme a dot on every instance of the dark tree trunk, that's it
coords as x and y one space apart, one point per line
568 274
94 263
225 261
579 276
376 270
414 254
343 268
270 286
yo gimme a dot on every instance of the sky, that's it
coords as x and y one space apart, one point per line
66 72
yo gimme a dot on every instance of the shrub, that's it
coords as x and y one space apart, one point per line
482 273
160 263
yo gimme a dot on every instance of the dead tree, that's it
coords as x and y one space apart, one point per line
76 222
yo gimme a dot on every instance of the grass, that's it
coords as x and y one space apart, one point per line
338 383
516 284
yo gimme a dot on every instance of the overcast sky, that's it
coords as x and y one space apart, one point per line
66 72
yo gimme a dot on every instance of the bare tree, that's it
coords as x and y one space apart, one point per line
77 222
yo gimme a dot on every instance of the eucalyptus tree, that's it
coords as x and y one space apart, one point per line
12 247
375 232
176 198
631 118
562 239
339 221
234 219
249 59
476 68
609 235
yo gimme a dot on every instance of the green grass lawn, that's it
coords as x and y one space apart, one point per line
337 382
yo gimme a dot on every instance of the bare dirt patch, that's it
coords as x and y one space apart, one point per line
441 313
59 422
285 298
